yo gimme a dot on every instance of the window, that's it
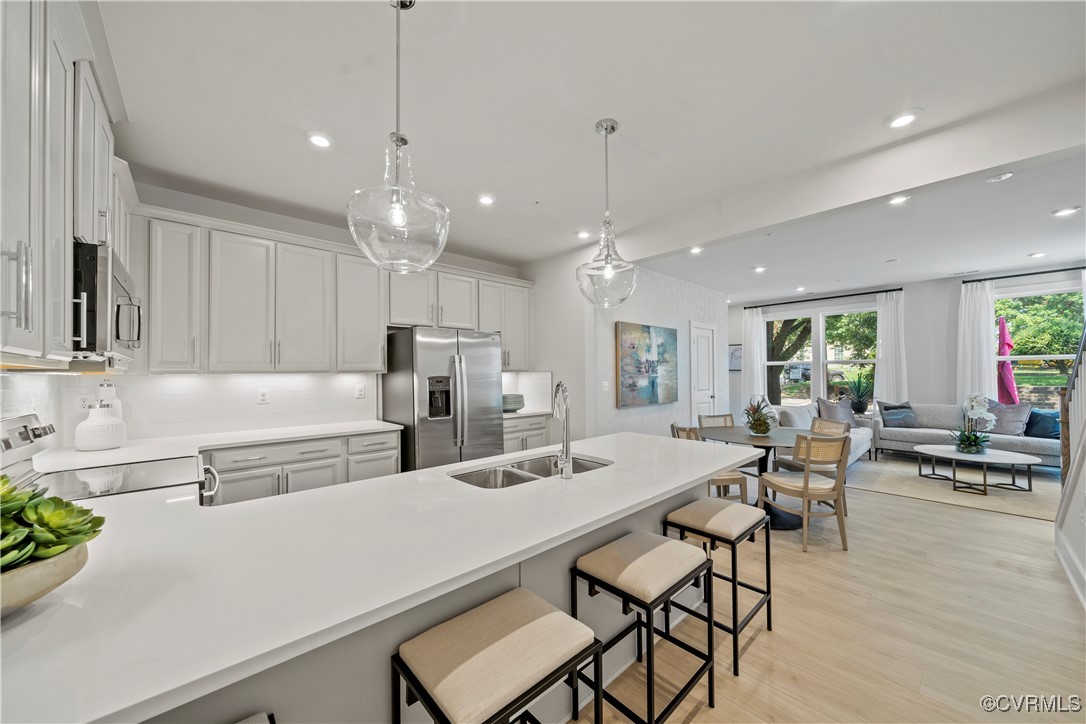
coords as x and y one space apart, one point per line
850 352
1045 330
788 355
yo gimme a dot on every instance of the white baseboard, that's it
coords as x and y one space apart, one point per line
1071 566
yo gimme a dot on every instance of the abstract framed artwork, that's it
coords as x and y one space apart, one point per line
646 364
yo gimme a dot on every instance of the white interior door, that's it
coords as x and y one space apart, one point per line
702 370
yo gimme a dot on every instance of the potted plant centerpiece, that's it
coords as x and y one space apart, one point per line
859 389
759 416
41 542
971 440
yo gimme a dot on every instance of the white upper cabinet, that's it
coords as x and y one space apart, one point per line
456 301
304 308
517 329
242 304
491 306
412 299
93 161
178 288
59 90
20 145
361 310
124 197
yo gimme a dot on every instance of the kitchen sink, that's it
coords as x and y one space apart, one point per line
524 471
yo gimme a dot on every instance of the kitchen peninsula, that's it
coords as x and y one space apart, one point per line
294 603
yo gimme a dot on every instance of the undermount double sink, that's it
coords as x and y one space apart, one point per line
524 471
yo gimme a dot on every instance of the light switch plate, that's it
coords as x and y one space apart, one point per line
360 392
263 395
605 386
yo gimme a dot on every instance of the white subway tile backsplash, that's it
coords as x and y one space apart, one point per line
164 405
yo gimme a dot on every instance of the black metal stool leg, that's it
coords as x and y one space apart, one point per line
735 609
396 715
597 693
710 638
575 688
640 642
650 674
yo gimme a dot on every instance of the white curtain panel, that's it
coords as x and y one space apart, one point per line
754 350
890 384
976 340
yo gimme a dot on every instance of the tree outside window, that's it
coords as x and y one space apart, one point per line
788 352
850 351
1046 330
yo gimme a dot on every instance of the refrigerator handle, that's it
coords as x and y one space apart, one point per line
461 408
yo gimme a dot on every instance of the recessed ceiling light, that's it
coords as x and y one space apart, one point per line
899 199
800 289
1066 212
583 234
760 269
889 261
320 140
1036 255
727 301
904 118
486 199
695 250
999 177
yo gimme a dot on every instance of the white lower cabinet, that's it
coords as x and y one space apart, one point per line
248 485
525 434
316 474
373 465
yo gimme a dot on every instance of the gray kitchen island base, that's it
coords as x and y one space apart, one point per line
347 680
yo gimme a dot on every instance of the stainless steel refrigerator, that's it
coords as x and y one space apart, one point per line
445 387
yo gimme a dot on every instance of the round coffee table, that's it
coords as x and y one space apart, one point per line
989 457
777 437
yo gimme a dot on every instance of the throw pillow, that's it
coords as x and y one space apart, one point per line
840 411
1043 423
897 415
1010 419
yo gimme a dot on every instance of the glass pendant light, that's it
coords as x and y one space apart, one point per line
608 280
398 227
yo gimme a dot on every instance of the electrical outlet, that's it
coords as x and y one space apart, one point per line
263 395
85 401
605 386
360 392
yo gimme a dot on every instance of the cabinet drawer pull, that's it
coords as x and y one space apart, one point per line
245 460
371 444
313 452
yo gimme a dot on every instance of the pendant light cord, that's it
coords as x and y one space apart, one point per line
399 139
606 179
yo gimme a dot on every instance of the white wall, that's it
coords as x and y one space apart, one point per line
575 342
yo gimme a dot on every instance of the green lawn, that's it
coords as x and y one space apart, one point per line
1039 378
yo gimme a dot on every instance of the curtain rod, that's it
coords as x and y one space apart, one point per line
1026 274
822 299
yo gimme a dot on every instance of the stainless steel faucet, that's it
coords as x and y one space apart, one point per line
560 408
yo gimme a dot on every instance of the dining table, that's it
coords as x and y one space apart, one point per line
775 438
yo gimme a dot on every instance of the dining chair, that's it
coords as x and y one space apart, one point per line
725 420
722 483
826 427
810 484
830 427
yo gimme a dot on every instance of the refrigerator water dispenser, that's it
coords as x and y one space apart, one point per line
439 400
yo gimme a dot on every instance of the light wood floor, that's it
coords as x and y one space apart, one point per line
933 606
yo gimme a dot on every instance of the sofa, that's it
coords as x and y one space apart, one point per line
937 424
862 433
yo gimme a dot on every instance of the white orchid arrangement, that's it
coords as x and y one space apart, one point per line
976 408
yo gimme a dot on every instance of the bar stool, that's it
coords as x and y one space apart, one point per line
723 521
645 571
489 663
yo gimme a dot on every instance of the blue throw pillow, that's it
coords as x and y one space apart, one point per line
897 415
1043 423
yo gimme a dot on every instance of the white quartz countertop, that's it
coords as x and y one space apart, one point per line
160 448
179 600
525 413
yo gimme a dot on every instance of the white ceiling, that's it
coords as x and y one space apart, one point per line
960 225
501 98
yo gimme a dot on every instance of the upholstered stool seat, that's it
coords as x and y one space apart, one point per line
722 518
717 521
475 665
642 564
645 572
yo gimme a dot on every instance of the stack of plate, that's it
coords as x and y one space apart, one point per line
512 403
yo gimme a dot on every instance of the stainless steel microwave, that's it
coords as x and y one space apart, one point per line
108 314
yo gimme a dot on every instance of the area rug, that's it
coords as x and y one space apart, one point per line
896 475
